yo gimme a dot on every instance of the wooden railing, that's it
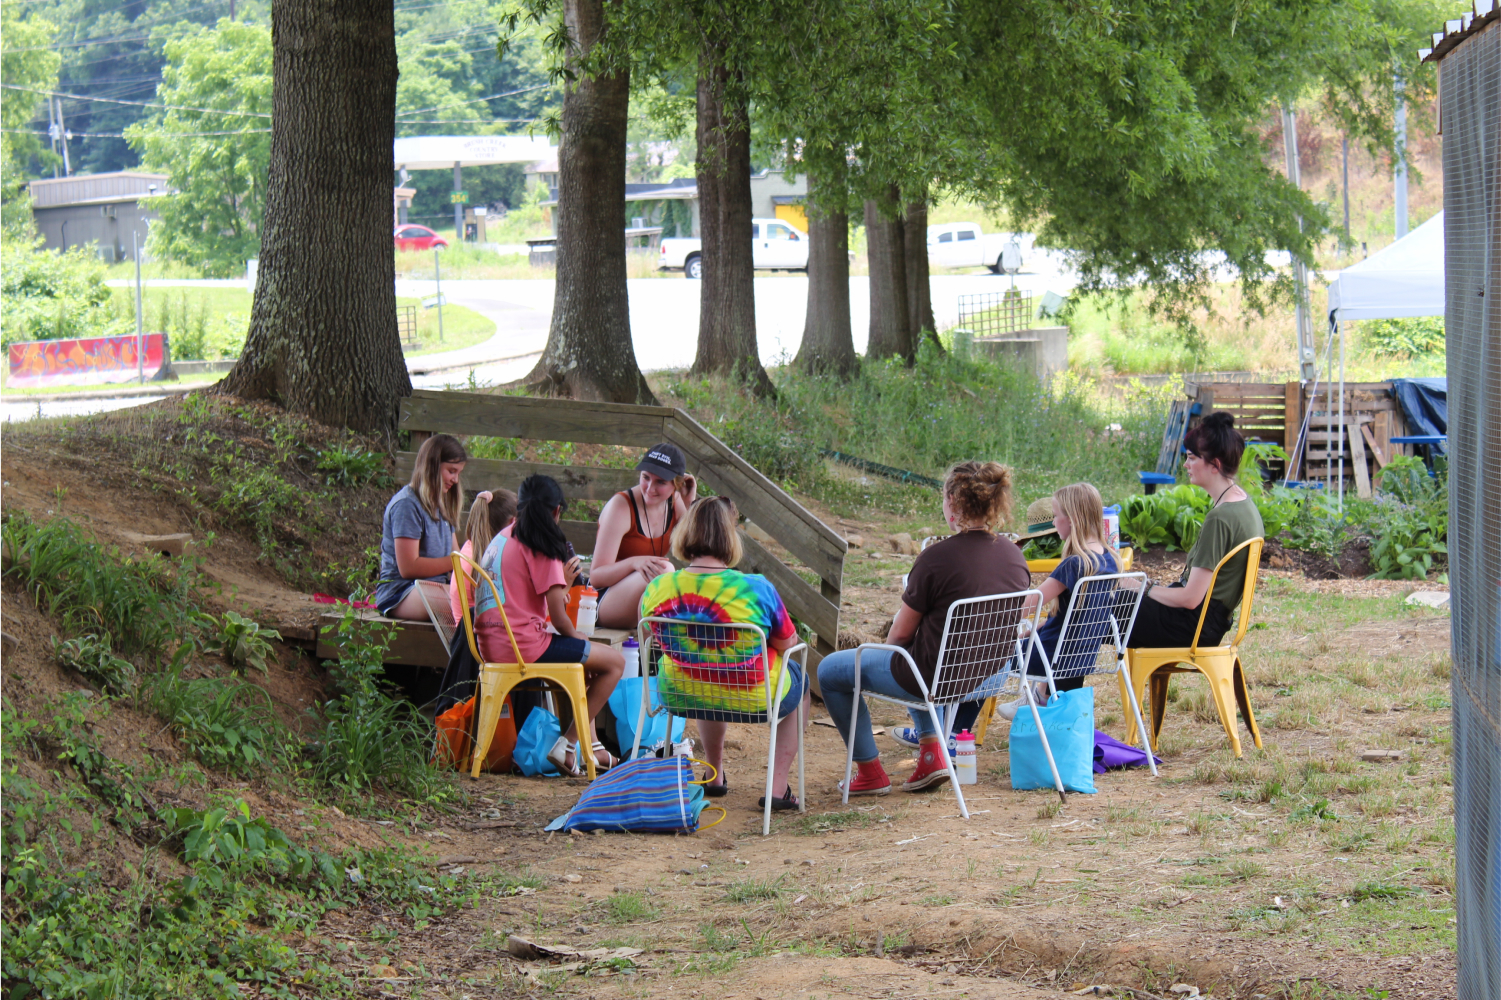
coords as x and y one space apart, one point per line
812 542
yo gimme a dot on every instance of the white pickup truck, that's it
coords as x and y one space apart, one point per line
961 244
775 246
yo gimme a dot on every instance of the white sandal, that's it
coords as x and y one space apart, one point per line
558 757
611 759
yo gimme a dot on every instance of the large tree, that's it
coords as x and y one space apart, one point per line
323 339
886 250
828 342
589 353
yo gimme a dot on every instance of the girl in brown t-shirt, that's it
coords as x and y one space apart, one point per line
973 562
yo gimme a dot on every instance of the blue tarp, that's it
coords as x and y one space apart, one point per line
1425 404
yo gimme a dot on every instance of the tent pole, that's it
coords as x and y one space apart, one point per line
1342 418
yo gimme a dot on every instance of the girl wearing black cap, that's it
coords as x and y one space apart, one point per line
635 533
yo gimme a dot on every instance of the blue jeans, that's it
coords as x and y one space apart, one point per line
836 679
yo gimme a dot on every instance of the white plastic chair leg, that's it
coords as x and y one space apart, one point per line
1141 726
1046 747
641 718
771 763
943 748
849 752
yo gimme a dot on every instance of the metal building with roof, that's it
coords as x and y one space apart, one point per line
103 209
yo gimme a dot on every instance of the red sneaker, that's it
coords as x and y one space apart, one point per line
869 780
932 768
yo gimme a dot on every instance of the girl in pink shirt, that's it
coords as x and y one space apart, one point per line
531 562
490 514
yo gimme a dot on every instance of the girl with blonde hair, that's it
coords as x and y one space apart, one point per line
489 515
1079 519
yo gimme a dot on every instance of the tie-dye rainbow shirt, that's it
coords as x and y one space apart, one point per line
702 673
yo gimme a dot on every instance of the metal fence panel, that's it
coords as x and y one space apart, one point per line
1470 102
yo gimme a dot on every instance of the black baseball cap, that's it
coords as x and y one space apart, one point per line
665 461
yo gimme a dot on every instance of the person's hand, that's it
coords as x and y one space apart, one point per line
1024 627
571 569
690 488
652 567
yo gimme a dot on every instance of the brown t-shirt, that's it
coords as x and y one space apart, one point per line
969 564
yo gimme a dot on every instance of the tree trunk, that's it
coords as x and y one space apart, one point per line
828 345
727 297
890 332
323 341
920 320
589 354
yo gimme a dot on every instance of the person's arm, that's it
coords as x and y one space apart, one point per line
412 566
1190 595
904 627
1051 589
690 494
557 607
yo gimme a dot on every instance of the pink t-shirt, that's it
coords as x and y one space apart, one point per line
455 601
525 579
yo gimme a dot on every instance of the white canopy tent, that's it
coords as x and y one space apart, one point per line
1405 279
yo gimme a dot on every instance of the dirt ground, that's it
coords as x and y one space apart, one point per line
1219 875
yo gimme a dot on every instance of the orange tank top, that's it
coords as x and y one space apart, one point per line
635 541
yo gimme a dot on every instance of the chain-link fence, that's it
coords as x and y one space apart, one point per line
1470 104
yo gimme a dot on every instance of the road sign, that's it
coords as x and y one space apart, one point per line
459 198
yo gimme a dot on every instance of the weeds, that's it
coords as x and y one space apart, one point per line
749 890
627 907
243 641
91 656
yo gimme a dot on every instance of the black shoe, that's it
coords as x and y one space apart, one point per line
720 790
787 802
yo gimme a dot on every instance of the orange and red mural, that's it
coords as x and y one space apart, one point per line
81 362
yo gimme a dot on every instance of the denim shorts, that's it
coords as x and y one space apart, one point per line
565 649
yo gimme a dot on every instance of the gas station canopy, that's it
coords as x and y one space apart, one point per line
442 152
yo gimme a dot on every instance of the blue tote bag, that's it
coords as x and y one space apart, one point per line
625 705
1068 719
647 795
540 731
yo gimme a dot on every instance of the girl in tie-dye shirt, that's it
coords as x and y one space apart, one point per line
720 676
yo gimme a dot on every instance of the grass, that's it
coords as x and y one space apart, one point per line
751 890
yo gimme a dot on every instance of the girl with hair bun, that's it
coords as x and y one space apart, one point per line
972 562
488 516
1170 615
534 566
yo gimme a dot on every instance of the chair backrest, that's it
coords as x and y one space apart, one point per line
715 670
980 636
1253 564
483 578
1100 613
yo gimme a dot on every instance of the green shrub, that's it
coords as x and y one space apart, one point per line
1409 520
1418 336
228 725
243 641
351 466
91 656
52 296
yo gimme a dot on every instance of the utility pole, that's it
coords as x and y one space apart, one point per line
62 134
1345 169
1306 357
52 134
458 206
1400 156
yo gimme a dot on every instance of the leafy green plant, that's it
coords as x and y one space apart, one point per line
243 641
91 656
227 724
1418 336
1410 520
228 837
351 466
115 784
1168 517
1319 527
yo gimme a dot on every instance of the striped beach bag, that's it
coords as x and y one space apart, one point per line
649 795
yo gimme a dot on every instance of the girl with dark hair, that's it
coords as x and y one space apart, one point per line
635 533
417 531
973 562
532 564
1170 615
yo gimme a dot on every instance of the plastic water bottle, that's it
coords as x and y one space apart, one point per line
588 610
964 758
1113 526
632 650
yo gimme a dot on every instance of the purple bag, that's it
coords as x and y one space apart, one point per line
1110 752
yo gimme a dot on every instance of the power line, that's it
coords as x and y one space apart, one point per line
139 104
477 100
121 135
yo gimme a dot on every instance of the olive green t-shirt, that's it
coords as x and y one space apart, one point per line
1225 527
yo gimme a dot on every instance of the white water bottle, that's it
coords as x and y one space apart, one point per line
632 650
588 612
964 758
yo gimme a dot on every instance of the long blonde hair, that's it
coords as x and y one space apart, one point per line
1081 504
427 478
486 520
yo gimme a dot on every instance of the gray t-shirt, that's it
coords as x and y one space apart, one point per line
405 518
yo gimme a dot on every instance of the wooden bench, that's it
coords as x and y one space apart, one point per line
418 644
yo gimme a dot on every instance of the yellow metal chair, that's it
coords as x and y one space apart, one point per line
1221 664
497 679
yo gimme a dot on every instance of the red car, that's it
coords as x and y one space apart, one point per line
419 238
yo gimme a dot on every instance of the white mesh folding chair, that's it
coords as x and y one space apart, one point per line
1100 615
983 653
719 672
446 626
